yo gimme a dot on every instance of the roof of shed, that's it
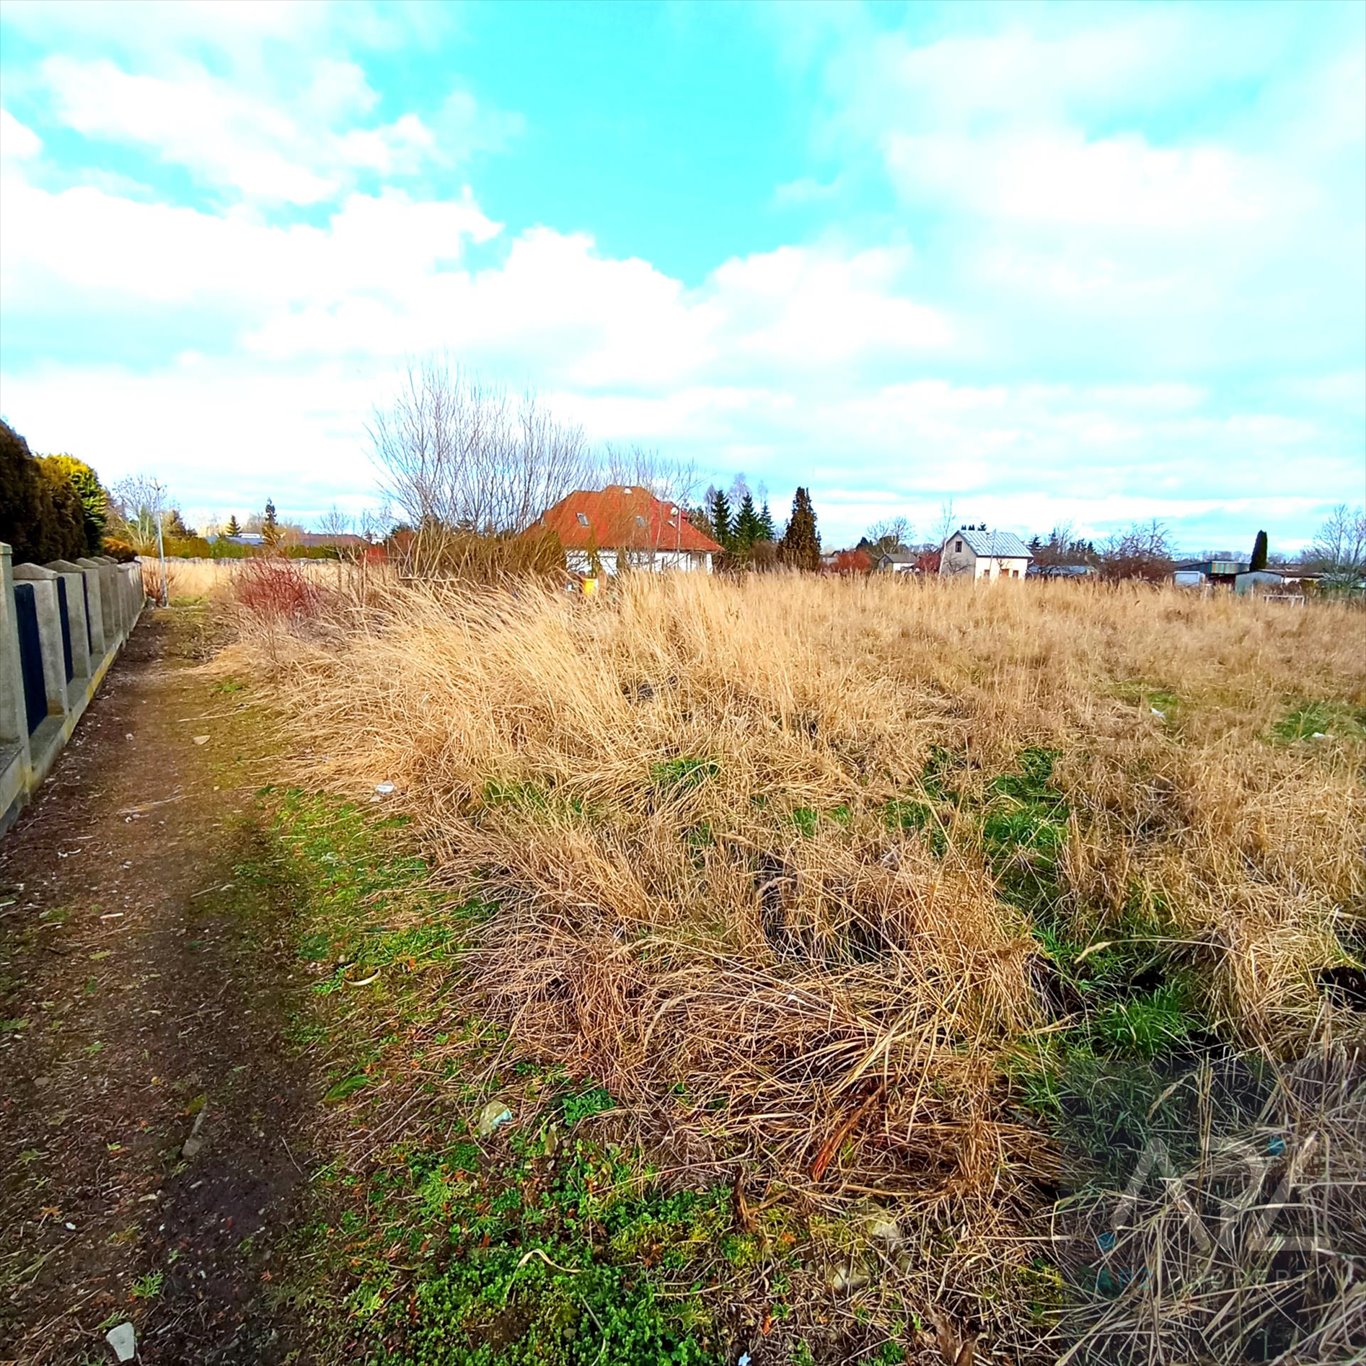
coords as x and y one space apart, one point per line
999 545
621 517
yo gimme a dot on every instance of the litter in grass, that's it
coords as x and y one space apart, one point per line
492 1116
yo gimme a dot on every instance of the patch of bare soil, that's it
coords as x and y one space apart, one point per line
153 1126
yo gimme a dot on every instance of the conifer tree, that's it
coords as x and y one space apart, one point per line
94 498
801 543
270 526
766 527
748 528
233 527
1259 552
719 511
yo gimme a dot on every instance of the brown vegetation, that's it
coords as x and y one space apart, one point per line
826 878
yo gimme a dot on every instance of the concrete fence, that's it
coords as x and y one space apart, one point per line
61 625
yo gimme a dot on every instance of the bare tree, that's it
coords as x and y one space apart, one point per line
458 455
890 535
374 524
946 524
138 512
1339 549
138 507
335 523
1140 552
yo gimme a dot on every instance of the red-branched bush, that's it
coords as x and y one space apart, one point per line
277 590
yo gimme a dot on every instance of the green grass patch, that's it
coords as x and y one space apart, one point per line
545 1241
1024 823
1151 696
1148 1024
683 774
1333 720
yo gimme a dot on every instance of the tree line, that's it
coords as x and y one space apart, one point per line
745 530
55 507
52 507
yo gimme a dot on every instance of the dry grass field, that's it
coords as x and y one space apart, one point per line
925 913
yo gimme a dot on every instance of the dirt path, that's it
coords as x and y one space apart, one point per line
153 1128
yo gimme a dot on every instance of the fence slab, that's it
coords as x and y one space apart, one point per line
67 620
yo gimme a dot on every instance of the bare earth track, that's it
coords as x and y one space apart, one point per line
141 996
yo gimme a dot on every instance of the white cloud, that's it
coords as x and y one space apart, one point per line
18 142
297 150
112 248
1061 177
1112 169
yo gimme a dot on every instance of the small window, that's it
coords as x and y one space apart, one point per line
640 521
628 490
957 547
583 519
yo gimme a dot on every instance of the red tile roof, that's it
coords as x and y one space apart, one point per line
621 517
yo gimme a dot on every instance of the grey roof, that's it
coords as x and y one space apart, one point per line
1001 545
898 557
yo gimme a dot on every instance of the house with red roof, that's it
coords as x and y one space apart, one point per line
625 525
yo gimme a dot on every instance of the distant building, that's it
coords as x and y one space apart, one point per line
1258 582
898 562
1218 570
1062 571
344 540
625 525
982 554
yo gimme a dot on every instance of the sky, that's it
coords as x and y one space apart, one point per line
1043 262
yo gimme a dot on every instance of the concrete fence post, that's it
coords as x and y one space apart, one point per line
116 626
44 583
101 635
14 752
132 584
82 665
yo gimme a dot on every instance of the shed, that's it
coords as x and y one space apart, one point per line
1258 581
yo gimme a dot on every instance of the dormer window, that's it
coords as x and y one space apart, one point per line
640 521
583 519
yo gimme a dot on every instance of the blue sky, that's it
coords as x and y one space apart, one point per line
1086 263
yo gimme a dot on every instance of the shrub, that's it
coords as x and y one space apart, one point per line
41 513
276 591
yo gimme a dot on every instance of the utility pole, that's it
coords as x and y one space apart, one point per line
161 555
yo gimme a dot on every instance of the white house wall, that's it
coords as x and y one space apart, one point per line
967 561
662 561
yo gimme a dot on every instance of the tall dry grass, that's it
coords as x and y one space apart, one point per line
684 800
191 579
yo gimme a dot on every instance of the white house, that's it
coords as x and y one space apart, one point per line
625 524
983 554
